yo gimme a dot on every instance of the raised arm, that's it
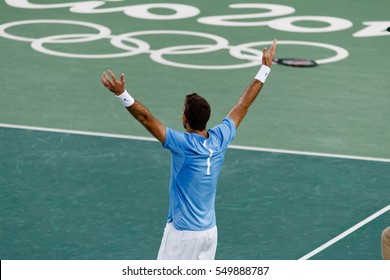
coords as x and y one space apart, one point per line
239 111
139 111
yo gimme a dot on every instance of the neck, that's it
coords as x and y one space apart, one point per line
201 132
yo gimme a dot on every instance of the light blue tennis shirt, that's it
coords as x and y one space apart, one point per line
195 166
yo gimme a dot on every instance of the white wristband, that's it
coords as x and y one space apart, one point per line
126 99
263 73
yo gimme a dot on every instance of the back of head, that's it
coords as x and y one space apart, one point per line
197 111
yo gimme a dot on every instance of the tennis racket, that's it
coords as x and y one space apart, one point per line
295 62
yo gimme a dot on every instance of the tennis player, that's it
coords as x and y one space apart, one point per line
196 160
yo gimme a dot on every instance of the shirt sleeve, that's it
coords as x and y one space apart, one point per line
172 139
226 131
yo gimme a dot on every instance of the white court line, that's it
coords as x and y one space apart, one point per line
345 233
292 152
79 132
238 147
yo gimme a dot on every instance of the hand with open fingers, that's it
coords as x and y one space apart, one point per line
269 56
114 85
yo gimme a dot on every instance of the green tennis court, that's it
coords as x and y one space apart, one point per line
308 175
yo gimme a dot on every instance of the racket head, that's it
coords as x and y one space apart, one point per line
296 62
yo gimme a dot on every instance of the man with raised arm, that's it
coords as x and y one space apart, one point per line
197 158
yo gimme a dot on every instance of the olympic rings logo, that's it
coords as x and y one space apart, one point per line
130 44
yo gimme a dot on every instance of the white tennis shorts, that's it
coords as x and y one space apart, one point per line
188 245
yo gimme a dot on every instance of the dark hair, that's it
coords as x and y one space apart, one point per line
197 111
